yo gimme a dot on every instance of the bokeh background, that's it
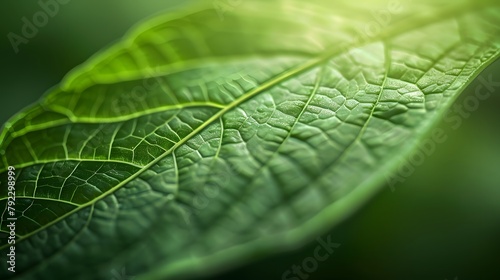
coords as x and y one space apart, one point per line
443 222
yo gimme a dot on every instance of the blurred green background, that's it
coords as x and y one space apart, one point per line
442 222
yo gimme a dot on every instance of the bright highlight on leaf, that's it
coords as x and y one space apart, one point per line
210 135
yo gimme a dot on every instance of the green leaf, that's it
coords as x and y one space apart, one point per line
206 137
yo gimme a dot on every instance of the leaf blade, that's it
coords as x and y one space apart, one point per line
362 85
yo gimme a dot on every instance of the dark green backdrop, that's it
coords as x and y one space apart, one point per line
442 222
